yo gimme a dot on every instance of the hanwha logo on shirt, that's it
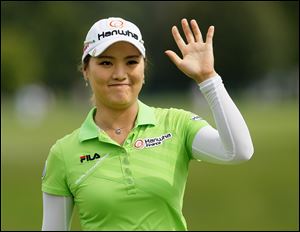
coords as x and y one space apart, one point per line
139 144
152 142
116 23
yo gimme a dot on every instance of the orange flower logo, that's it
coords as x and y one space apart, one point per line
139 144
116 23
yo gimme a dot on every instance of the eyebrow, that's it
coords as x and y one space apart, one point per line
111 57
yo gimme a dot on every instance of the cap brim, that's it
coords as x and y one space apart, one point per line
101 47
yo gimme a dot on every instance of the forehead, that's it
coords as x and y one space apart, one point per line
121 48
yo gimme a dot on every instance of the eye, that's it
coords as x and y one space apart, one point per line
130 62
105 63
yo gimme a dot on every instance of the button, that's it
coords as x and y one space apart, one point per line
131 191
126 161
129 181
123 153
128 171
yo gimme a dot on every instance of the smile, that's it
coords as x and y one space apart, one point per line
118 85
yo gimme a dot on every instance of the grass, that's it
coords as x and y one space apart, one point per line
261 194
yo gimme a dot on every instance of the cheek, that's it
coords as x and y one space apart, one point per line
98 78
138 81
139 74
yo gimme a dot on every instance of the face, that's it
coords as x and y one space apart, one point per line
116 76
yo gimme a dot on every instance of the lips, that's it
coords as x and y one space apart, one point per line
116 85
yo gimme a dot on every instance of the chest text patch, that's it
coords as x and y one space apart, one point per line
151 142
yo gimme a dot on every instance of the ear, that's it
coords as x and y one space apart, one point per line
85 74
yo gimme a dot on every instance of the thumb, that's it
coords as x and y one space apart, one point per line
173 57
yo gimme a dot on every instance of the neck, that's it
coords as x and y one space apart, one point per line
110 118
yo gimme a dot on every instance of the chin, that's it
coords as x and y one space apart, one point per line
118 101
121 103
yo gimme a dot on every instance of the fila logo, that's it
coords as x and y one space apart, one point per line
89 158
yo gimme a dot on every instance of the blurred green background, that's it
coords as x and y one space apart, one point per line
43 97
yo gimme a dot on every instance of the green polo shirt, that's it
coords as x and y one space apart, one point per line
135 186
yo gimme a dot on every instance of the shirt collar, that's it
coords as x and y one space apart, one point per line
90 130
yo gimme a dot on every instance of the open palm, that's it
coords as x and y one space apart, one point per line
198 60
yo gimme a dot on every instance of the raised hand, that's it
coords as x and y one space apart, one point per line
198 59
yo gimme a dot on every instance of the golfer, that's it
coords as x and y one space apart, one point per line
126 166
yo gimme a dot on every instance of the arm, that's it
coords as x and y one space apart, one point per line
231 142
57 212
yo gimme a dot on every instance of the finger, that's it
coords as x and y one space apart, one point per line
187 31
178 39
210 34
173 57
196 31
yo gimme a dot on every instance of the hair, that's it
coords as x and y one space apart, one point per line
83 65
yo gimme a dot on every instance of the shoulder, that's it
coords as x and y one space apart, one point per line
172 113
69 138
179 119
174 118
65 142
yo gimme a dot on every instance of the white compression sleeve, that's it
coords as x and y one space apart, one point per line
57 212
231 142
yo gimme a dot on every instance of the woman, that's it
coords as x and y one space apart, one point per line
126 167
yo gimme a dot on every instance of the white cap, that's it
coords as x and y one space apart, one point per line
105 32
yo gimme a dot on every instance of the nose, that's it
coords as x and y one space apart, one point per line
119 73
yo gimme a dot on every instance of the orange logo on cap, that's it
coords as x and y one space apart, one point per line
116 23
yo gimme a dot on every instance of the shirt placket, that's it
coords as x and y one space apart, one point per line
126 166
